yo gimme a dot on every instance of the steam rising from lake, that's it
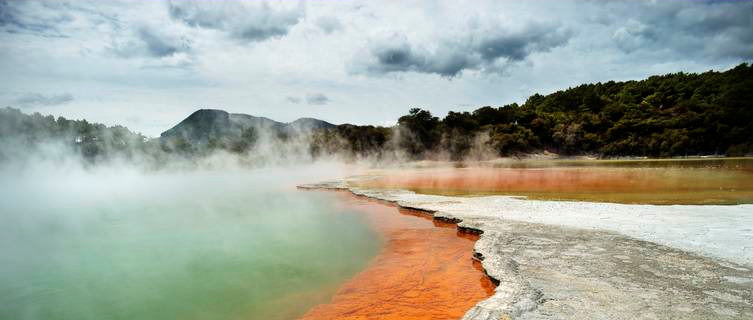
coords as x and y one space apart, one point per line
118 243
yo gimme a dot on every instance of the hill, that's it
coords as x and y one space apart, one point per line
209 129
206 124
22 135
675 114
678 114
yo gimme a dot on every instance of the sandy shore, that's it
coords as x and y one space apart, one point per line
564 260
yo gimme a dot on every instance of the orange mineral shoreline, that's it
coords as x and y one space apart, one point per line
424 271
637 185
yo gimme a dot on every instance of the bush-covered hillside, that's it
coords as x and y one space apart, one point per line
671 115
23 133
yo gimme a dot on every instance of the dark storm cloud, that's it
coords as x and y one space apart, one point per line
251 22
691 29
317 99
33 99
487 51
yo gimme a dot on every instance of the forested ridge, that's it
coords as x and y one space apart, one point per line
678 114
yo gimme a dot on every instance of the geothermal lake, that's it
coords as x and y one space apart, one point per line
122 245
666 181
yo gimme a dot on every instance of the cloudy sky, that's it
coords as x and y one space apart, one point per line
148 64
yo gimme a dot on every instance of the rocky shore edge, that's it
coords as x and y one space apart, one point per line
557 272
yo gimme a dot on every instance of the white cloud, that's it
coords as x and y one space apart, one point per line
34 99
293 99
329 24
488 48
159 61
317 99
246 21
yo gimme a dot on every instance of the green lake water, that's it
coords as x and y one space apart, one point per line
184 246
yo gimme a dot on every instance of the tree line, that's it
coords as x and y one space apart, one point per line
678 114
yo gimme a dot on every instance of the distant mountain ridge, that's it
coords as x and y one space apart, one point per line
677 114
206 124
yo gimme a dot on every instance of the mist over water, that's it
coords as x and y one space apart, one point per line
116 243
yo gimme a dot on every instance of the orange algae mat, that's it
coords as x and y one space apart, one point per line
424 271
601 184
